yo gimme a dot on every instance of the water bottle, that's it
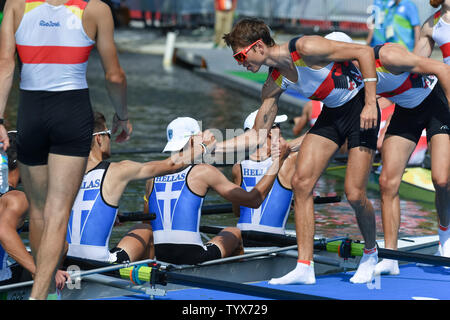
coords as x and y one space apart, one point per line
4 186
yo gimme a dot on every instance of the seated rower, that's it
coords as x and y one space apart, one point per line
177 201
13 210
272 215
95 208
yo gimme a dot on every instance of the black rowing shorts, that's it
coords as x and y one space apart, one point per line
186 253
341 123
432 114
53 122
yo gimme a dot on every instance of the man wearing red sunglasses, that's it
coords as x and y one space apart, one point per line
319 69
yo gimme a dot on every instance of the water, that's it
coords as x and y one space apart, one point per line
156 97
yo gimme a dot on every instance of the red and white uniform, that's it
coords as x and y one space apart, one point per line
406 89
419 152
53 46
441 36
316 109
334 85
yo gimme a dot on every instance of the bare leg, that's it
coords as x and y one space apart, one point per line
314 155
440 173
357 174
356 178
395 154
229 241
138 242
64 178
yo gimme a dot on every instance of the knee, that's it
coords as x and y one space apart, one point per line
301 183
440 182
355 196
388 186
236 232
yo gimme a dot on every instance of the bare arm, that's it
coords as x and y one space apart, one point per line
302 121
116 82
425 43
7 62
264 121
125 171
236 175
398 59
318 51
255 197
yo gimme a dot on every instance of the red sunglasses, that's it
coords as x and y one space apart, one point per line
241 56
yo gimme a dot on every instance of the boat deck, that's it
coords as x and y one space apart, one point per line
414 283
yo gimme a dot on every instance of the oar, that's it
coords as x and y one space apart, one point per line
139 272
123 217
345 248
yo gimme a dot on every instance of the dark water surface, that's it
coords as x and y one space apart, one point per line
156 97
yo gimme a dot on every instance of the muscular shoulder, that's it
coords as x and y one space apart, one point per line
96 9
306 44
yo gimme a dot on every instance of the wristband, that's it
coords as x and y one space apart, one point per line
205 149
117 116
370 80
2 121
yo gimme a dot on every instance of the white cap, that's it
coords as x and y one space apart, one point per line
250 120
179 132
339 36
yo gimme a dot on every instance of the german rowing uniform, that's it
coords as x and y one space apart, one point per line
420 103
334 85
441 36
418 155
272 215
338 85
176 232
316 109
406 89
53 51
92 218
53 47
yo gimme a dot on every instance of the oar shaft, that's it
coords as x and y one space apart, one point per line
239 288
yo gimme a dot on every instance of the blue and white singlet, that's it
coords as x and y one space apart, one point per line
177 210
272 215
92 219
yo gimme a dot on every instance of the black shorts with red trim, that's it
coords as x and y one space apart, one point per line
186 253
432 114
59 122
341 123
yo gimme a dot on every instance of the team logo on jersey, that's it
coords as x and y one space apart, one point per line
50 23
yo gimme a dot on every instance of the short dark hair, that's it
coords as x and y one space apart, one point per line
99 121
247 31
99 124
11 152
436 3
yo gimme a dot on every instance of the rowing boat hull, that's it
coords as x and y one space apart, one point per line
248 270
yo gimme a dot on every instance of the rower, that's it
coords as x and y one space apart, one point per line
177 201
95 209
322 70
273 213
13 210
420 88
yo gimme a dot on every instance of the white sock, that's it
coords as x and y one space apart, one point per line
444 239
302 274
366 266
387 266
